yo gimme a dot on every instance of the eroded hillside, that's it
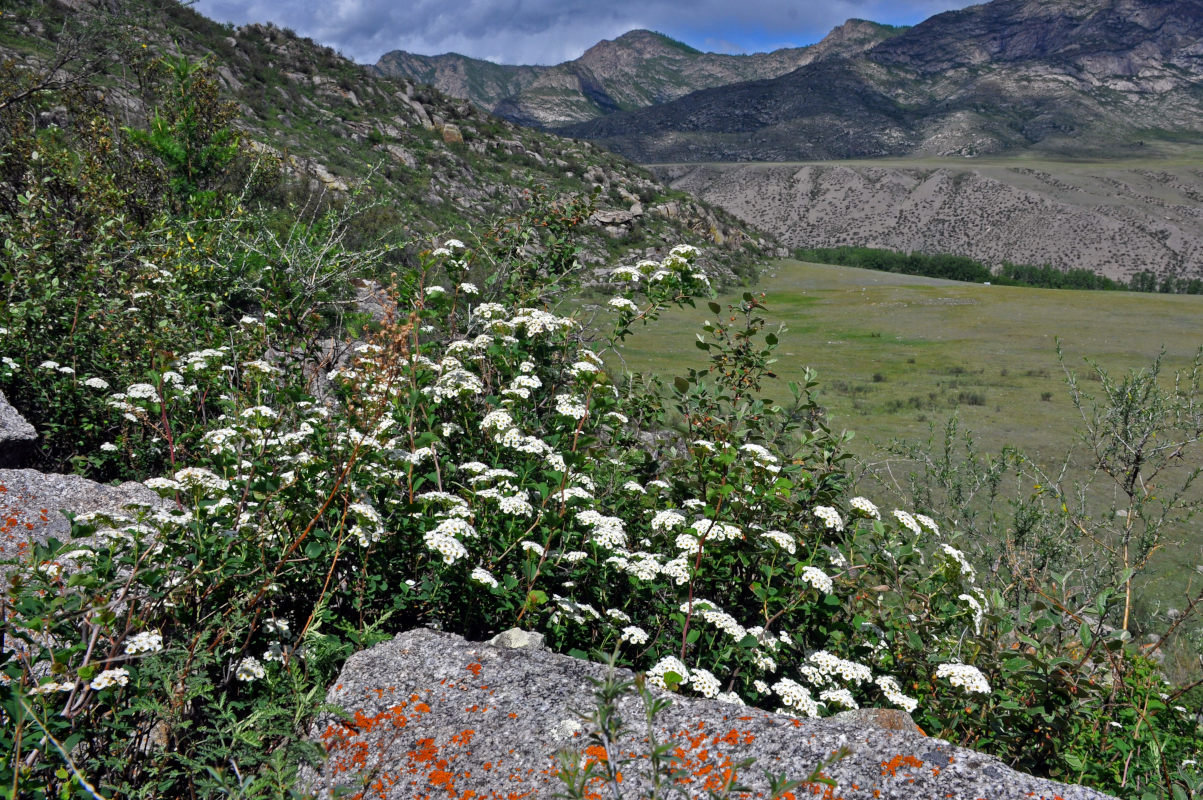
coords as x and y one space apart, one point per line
1116 219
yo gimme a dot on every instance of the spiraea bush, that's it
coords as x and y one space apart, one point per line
482 469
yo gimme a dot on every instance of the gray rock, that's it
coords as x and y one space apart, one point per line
431 714
32 502
17 437
518 639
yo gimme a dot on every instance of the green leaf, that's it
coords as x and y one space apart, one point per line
313 549
680 384
1085 635
715 307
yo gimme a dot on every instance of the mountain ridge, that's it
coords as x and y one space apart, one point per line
638 69
1003 76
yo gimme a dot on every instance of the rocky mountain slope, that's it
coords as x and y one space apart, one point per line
636 70
1005 76
429 163
1115 219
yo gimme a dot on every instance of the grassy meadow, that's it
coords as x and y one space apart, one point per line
897 354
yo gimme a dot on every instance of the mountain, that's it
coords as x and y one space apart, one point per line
1005 76
636 70
431 165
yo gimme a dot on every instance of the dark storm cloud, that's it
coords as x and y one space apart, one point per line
550 31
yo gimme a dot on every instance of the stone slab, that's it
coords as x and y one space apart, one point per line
434 716
18 438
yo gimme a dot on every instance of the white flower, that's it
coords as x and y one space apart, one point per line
48 365
841 696
965 676
623 304
962 563
634 634
144 642
795 695
907 521
96 383
655 675
865 507
109 447
704 683
928 523
142 391
782 540
570 405
250 669
482 575
532 547
893 692
434 291
817 578
667 520
977 610
201 478
453 244
110 677
830 517
468 288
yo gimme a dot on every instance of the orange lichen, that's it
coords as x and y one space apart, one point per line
475 669
891 767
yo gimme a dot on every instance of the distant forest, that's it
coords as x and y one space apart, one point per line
962 268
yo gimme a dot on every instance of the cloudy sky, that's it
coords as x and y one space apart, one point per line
551 31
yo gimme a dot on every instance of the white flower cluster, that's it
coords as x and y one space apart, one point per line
110 677
928 523
144 642
716 531
655 675
443 539
907 521
822 666
965 676
817 578
976 608
704 682
841 697
608 532
865 507
958 558
782 540
250 669
634 634
893 692
796 696
667 520
482 575
200 478
762 457
831 517
623 304
571 405
717 617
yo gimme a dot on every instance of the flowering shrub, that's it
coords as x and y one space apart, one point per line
483 470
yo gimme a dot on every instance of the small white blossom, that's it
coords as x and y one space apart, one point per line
110 677
144 642
965 676
250 669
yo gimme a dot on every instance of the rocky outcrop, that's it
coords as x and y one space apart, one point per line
432 715
32 502
17 437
